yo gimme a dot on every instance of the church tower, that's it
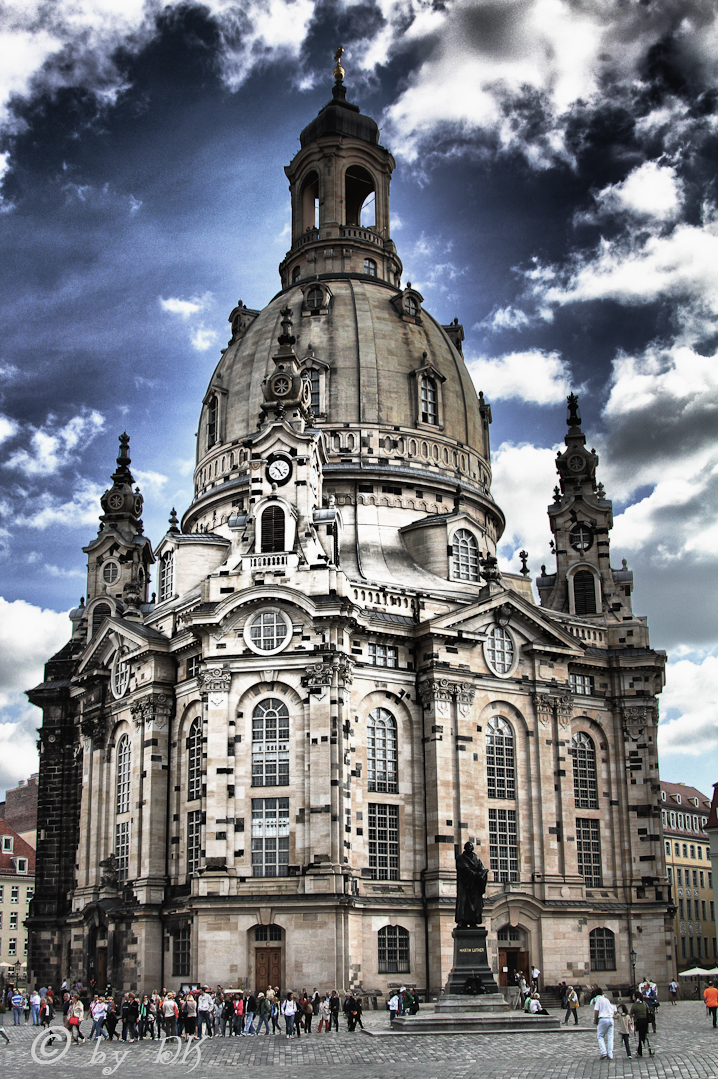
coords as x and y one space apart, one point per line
262 774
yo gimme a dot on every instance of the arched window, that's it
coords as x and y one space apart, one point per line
465 555
270 744
381 752
310 201
296 274
584 592
273 529
500 769
359 192
499 650
212 421
429 396
411 307
602 944
585 786
124 764
370 267
315 383
99 614
194 761
166 575
393 950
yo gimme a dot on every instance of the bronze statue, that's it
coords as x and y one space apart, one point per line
471 878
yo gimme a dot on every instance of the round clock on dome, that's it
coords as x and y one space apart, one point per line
575 462
279 470
116 501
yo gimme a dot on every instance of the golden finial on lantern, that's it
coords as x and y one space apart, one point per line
339 70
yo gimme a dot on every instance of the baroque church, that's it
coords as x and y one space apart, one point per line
262 773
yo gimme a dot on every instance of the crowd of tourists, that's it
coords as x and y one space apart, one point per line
195 1013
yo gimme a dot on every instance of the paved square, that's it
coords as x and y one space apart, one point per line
685 1045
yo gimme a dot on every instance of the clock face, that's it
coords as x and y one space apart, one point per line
116 501
575 463
281 386
279 470
138 506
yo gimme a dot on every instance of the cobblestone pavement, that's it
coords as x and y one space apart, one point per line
684 1046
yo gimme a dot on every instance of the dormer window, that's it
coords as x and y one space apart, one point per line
678 799
7 842
314 298
21 865
411 307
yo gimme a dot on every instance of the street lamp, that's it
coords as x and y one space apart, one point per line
633 957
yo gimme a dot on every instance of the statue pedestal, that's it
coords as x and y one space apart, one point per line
471 964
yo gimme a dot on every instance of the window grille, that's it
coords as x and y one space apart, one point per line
602 944
588 848
500 769
503 845
273 529
370 267
381 753
193 665
270 837
315 298
411 308
122 850
585 785
382 655
181 953
194 761
314 379
582 684
268 932
429 397
166 575
393 950
124 766
99 614
499 650
268 630
465 555
270 744
383 823
194 840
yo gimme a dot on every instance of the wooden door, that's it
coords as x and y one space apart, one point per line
268 967
101 971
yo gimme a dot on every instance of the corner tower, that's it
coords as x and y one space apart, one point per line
339 184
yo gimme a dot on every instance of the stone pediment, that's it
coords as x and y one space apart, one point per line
280 436
506 608
116 633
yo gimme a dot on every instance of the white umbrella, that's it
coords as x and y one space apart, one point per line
695 972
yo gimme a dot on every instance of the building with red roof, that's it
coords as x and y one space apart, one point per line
17 887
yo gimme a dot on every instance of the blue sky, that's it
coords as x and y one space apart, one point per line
554 190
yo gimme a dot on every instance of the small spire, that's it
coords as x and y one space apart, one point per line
173 521
124 457
338 69
286 338
524 555
573 418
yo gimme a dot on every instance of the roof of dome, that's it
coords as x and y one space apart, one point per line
373 356
342 118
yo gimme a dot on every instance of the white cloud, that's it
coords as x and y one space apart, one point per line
135 204
202 338
524 476
504 318
46 511
651 190
541 378
53 447
152 482
8 428
690 700
185 308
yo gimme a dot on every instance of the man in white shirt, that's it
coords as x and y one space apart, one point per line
603 1013
204 1009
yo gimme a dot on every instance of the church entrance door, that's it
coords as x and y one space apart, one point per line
510 962
269 968
101 968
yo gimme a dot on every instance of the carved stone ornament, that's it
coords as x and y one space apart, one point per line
154 710
436 695
215 680
318 675
549 704
109 876
635 718
94 726
464 697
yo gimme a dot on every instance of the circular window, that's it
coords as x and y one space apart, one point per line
581 538
575 463
499 650
281 386
268 631
116 501
315 298
110 572
120 675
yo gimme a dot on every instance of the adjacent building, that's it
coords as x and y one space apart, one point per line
17 887
690 875
263 773
20 809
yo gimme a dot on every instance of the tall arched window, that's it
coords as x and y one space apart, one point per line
273 529
465 555
602 944
585 784
296 274
381 752
393 950
99 614
359 188
166 580
194 761
270 744
500 768
315 382
124 765
429 395
370 267
584 592
212 408
310 201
